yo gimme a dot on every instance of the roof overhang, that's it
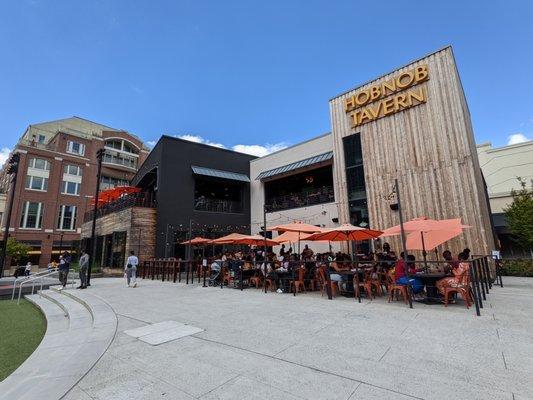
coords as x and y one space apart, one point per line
302 165
217 173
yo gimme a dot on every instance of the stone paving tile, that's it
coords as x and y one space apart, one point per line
262 346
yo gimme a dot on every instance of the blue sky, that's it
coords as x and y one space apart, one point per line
245 73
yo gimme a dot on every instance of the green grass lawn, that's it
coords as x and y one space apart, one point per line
22 328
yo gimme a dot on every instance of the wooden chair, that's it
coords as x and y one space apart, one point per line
365 284
257 280
227 278
321 277
463 289
298 283
271 283
393 287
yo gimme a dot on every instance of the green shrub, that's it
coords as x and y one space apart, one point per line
518 267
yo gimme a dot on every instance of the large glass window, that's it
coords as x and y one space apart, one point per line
109 182
72 170
300 190
217 195
32 215
39 163
355 180
67 218
72 188
36 183
75 148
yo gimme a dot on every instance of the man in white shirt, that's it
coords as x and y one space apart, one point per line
131 269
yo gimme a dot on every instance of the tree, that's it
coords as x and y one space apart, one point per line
16 250
519 215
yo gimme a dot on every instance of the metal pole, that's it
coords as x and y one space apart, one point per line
265 242
99 155
402 234
424 253
190 238
13 169
61 242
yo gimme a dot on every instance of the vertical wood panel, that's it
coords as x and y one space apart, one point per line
430 148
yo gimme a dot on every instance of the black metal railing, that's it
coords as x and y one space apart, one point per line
305 198
141 199
217 205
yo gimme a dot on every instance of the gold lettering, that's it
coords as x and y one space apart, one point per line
402 83
388 106
375 92
358 100
353 116
400 102
420 95
365 115
374 111
390 86
421 73
350 104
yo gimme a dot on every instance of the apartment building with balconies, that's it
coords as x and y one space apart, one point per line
57 180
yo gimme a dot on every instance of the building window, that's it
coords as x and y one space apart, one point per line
217 195
41 139
75 148
120 159
32 215
36 183
72 170
39 163
67 218
355 180
109 182
69 187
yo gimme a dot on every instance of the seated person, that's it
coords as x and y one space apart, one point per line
458 277
400 273
452 263
340 279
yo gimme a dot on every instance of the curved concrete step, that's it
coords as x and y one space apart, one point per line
65 354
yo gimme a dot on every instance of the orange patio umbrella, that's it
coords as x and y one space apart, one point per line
197 241
228 239
296 226
426 234
345 232
255 240
290 236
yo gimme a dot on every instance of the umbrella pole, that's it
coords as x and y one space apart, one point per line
424 253
298 244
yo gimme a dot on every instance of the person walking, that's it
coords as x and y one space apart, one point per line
64 267
131 269
84 265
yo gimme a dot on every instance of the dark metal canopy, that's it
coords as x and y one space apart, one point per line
217 173
296 165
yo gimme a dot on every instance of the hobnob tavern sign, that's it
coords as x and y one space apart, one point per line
388 97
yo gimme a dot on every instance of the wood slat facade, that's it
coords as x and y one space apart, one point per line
429 148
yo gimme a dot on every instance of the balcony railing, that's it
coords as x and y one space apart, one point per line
131 200
217 205
305 198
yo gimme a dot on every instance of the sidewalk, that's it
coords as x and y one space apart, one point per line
276 346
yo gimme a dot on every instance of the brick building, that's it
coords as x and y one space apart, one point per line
57 180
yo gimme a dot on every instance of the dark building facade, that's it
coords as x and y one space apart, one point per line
192 187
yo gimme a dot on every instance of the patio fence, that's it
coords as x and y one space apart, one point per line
483 278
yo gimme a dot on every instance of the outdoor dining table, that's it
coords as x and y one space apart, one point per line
429 280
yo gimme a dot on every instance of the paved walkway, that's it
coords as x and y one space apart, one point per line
276 346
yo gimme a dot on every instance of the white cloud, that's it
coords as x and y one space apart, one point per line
517 138
252 149
4 155
151 143
259 150
199 139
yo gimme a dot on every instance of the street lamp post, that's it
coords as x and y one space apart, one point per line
12 169
99 156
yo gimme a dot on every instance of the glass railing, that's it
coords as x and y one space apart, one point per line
305 198
120 160
217 205
130 200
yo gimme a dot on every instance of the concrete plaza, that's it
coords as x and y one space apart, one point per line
276 346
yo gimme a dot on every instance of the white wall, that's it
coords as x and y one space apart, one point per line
501 166
320 214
